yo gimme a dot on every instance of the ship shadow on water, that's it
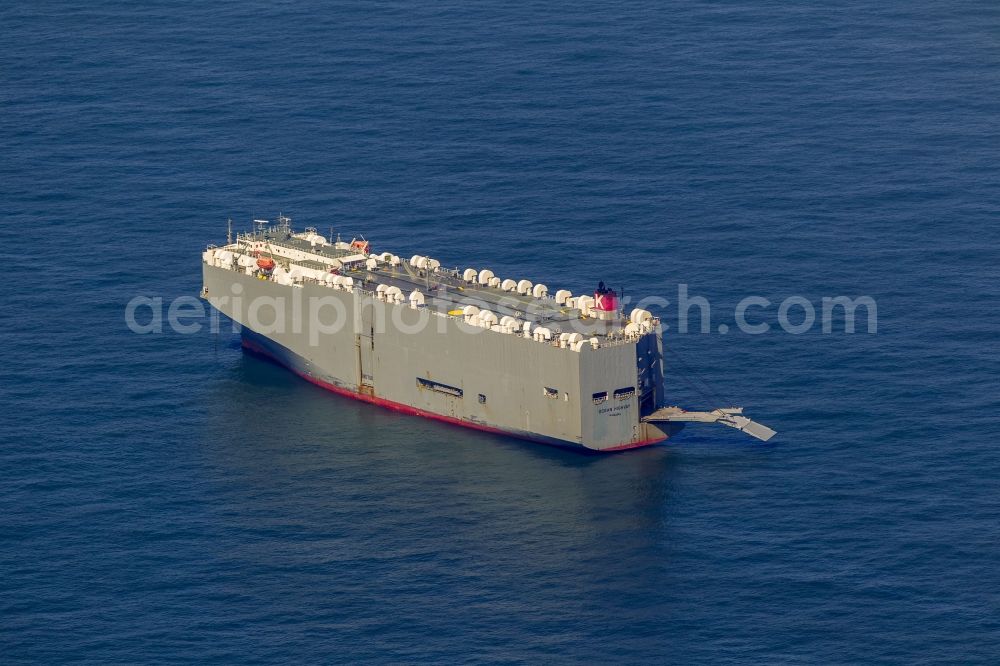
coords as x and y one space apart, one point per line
277 431
355 504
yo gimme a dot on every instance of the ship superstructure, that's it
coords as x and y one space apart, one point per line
459 345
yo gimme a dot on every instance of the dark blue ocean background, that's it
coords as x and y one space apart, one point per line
166 498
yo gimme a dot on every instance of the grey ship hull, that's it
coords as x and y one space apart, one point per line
418 362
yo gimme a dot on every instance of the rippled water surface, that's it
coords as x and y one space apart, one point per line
168 498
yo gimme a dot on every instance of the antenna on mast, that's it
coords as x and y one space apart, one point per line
229 231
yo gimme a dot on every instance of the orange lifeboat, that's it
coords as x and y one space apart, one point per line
265 264
361 245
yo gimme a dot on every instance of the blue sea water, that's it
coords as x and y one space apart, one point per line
166 498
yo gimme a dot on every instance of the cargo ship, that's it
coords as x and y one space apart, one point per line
463 346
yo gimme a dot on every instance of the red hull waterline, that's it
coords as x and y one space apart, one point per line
414 411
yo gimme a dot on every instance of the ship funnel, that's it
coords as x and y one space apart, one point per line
605 304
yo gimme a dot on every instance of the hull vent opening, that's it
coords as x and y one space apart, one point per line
438 387
624 393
